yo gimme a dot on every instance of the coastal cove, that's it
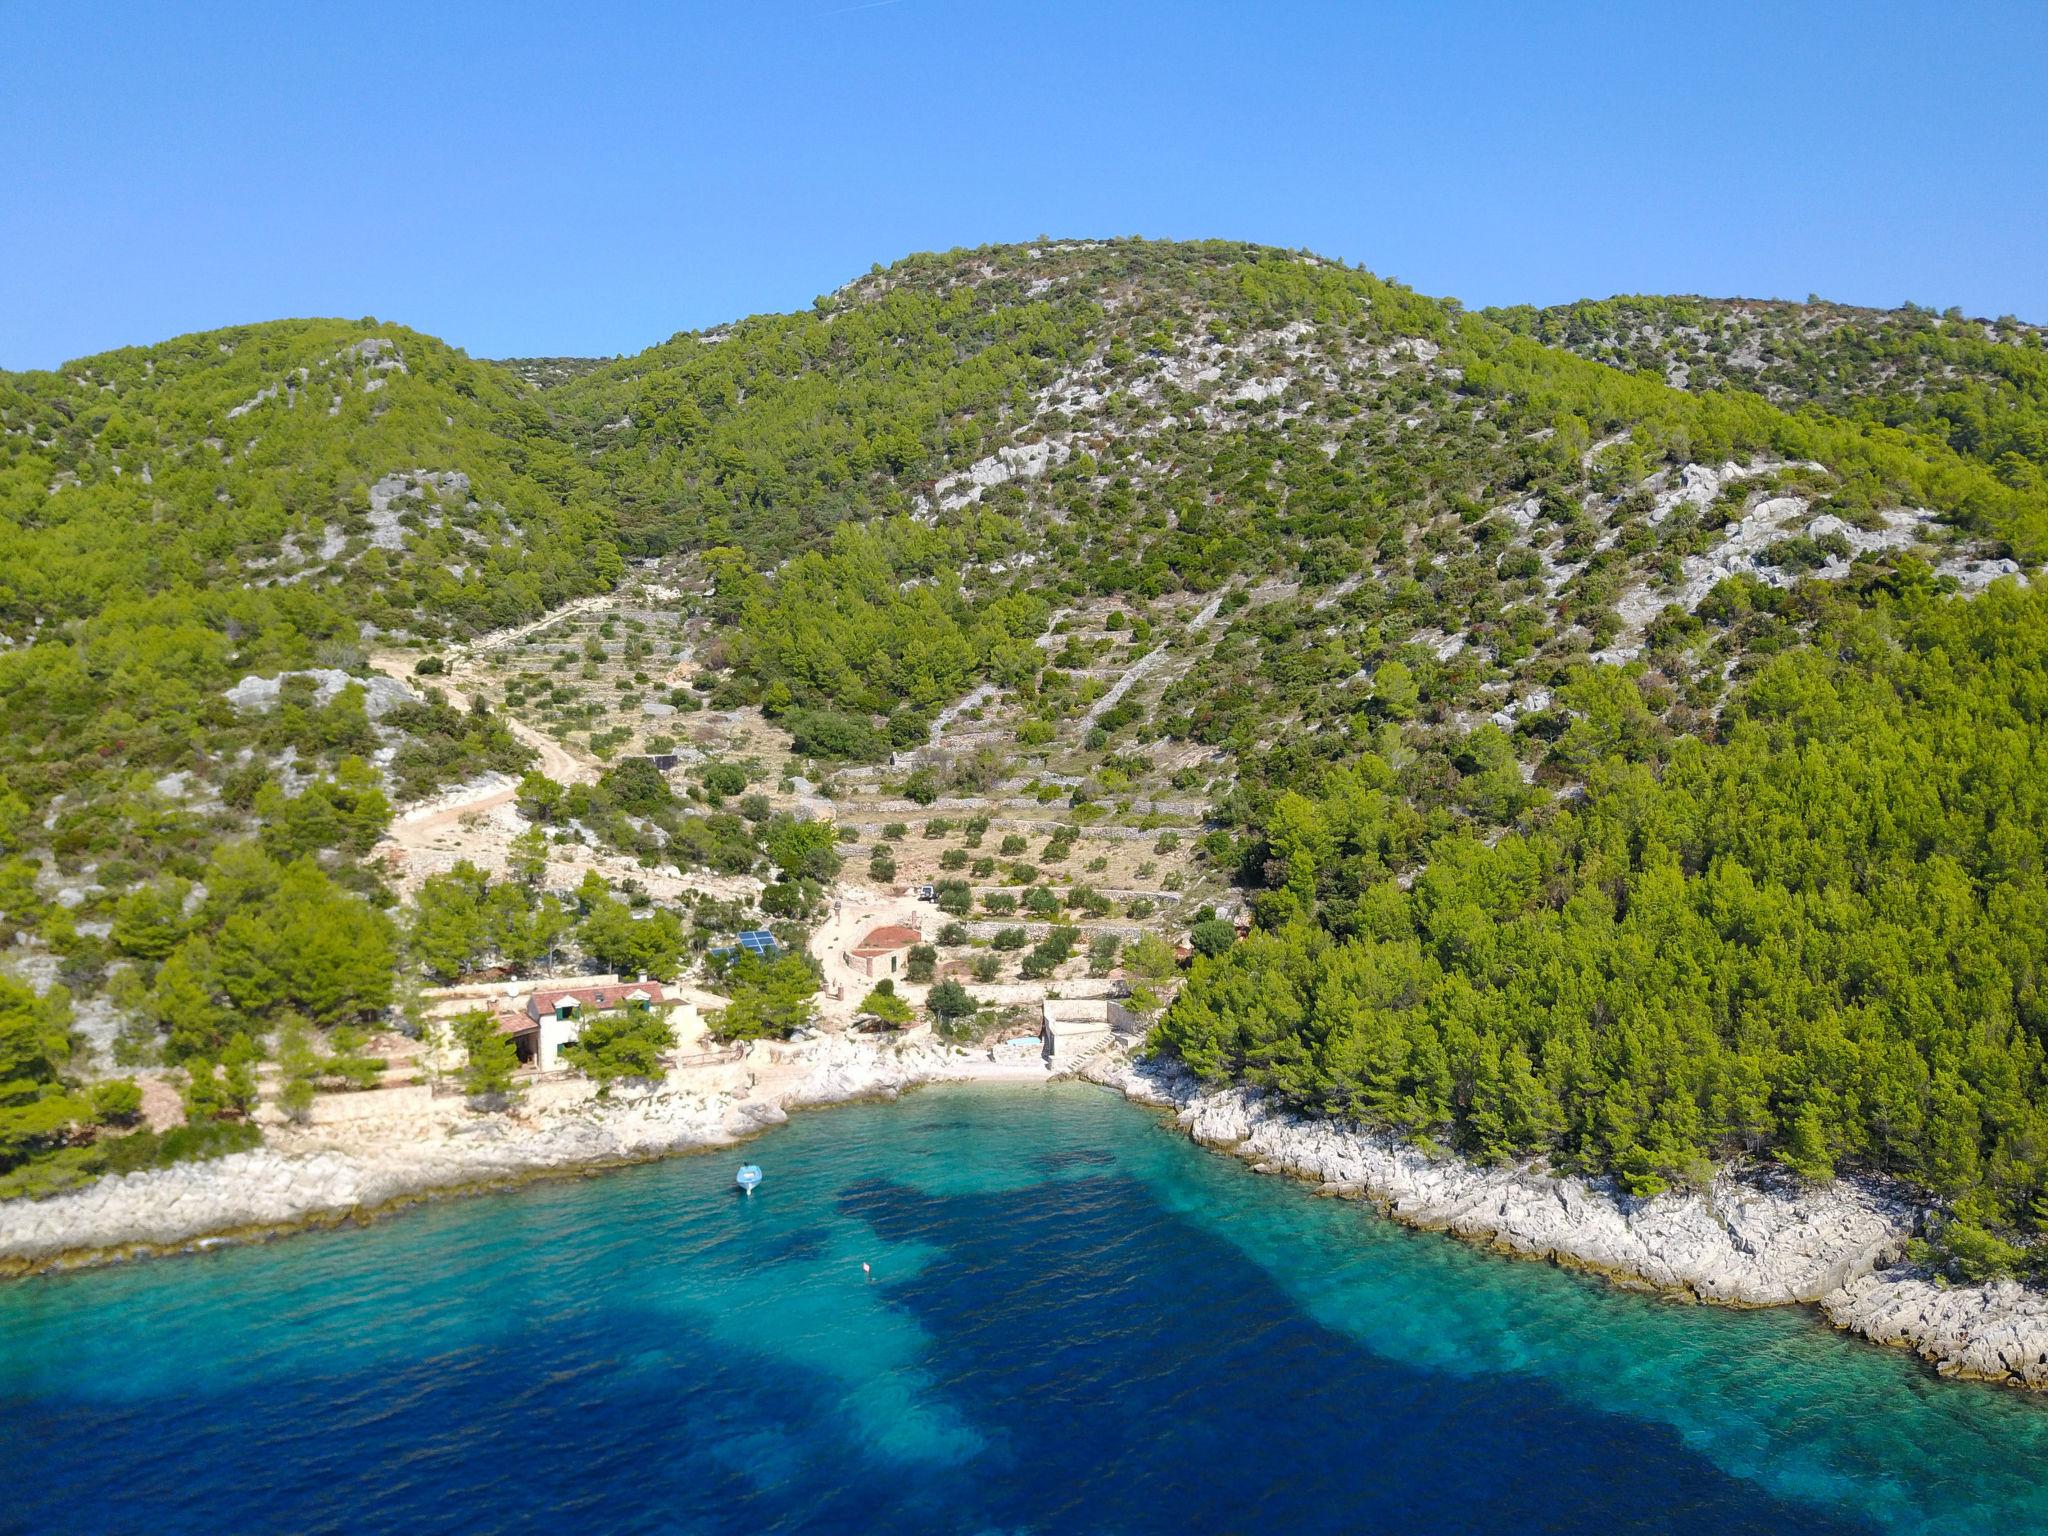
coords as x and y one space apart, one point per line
811 824
1052 1269
1744 1243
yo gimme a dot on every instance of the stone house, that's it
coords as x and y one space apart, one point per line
884 952
553 1013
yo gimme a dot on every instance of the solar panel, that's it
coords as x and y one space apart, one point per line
758 941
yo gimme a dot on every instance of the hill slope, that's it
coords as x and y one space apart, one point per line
1017 427
173 518
1980 386
1634 766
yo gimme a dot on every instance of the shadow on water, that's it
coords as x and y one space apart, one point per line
1129 1374
614 1425
1139 1375
1075 1323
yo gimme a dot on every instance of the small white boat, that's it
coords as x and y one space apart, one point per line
747 1177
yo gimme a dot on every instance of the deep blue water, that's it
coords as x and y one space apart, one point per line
1077 1322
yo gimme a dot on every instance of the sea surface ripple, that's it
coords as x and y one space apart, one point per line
1075 1321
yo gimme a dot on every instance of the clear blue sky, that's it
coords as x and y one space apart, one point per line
592 178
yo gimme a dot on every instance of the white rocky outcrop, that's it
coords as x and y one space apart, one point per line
1744 1242
381 694
1744 548
1739 1243
268 392
1988 1332
1025 461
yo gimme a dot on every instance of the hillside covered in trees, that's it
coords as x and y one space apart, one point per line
1621 725
248 503
1980 385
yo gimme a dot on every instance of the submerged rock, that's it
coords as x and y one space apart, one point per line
1758 1240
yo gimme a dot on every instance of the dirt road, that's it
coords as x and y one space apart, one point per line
435 827
563 764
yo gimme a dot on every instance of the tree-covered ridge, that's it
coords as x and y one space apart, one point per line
773 431
770 432
1461 639
545 372
1408 483
355 458
1818 934
1980 386
249 502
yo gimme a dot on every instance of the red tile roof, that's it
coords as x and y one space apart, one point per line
615 994
890 936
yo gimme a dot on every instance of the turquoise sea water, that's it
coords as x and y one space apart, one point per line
1076 1321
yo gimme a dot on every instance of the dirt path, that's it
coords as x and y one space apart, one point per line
562 764
426 827
418 829
558 762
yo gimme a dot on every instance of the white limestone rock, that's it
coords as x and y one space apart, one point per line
381 694
1741 1242
1995 1332
1761 1241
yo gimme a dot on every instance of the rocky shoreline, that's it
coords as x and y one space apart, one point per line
1745 1242
326 1177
